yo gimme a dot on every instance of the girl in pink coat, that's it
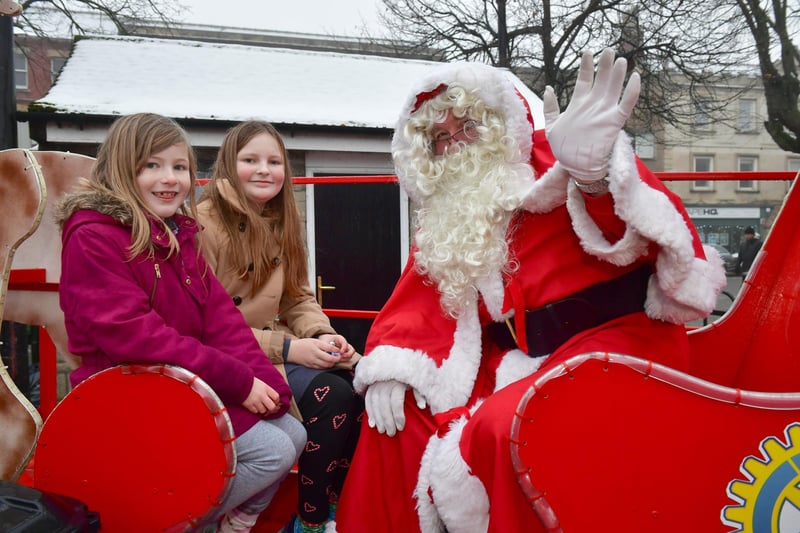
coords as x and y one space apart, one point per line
135 289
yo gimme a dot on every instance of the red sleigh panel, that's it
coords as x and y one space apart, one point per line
148 448
756 345
614 443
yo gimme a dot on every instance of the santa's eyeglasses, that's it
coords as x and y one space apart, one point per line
467 133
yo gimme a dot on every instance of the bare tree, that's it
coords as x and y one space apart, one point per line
8 130
772 33
76 17
681 47
44 29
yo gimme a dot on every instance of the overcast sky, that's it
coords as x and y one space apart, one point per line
327 17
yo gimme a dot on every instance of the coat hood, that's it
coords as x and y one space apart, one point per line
94 198
228 193
112 210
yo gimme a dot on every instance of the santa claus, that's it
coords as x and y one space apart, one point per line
530 247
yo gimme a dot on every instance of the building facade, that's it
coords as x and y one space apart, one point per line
37 62
732 138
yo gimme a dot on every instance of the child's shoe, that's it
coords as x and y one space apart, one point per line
237 522
298 525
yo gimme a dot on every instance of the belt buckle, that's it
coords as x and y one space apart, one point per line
511 330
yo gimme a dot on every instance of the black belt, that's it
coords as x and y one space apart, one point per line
550 326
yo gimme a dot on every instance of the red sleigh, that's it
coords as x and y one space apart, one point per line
631 446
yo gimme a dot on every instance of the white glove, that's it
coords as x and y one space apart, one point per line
384 405
583 135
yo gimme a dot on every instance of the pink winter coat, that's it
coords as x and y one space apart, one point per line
154 310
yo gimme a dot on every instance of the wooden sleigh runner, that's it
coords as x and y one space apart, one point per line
23 195
633 446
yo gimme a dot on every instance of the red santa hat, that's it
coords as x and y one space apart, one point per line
494 86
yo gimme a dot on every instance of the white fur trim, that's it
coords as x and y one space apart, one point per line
623 252
515 366
548 192
460 499
684 287
444 387
429 521
494 293
694 290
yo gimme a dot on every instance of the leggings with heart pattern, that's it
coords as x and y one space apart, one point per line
332 414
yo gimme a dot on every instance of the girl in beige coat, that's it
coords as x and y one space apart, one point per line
252 240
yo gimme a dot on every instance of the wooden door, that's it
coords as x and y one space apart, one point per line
357 250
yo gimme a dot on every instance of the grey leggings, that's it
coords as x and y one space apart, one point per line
264 455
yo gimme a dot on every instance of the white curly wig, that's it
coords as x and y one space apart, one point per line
494 88
465 199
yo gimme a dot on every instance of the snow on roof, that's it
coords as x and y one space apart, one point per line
201 80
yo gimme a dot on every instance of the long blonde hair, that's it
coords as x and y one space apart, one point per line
131 141
279 220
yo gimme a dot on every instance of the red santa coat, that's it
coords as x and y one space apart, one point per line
450 467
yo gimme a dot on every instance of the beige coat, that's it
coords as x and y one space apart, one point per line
271 312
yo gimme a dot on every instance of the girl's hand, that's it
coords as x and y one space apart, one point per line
316 353
263 399
339 344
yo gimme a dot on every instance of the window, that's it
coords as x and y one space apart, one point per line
702 114
747 115
703 163
56 64
793 164
20 71
748 164
645 145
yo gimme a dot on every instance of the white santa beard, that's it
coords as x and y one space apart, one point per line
463 222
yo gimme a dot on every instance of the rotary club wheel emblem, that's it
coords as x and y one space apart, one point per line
769 500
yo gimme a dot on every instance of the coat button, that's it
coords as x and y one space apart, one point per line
237 300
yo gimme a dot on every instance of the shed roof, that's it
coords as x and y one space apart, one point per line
204 80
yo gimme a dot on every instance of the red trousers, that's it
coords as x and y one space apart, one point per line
378 494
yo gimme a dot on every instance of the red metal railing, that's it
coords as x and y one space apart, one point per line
34 279
777 175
